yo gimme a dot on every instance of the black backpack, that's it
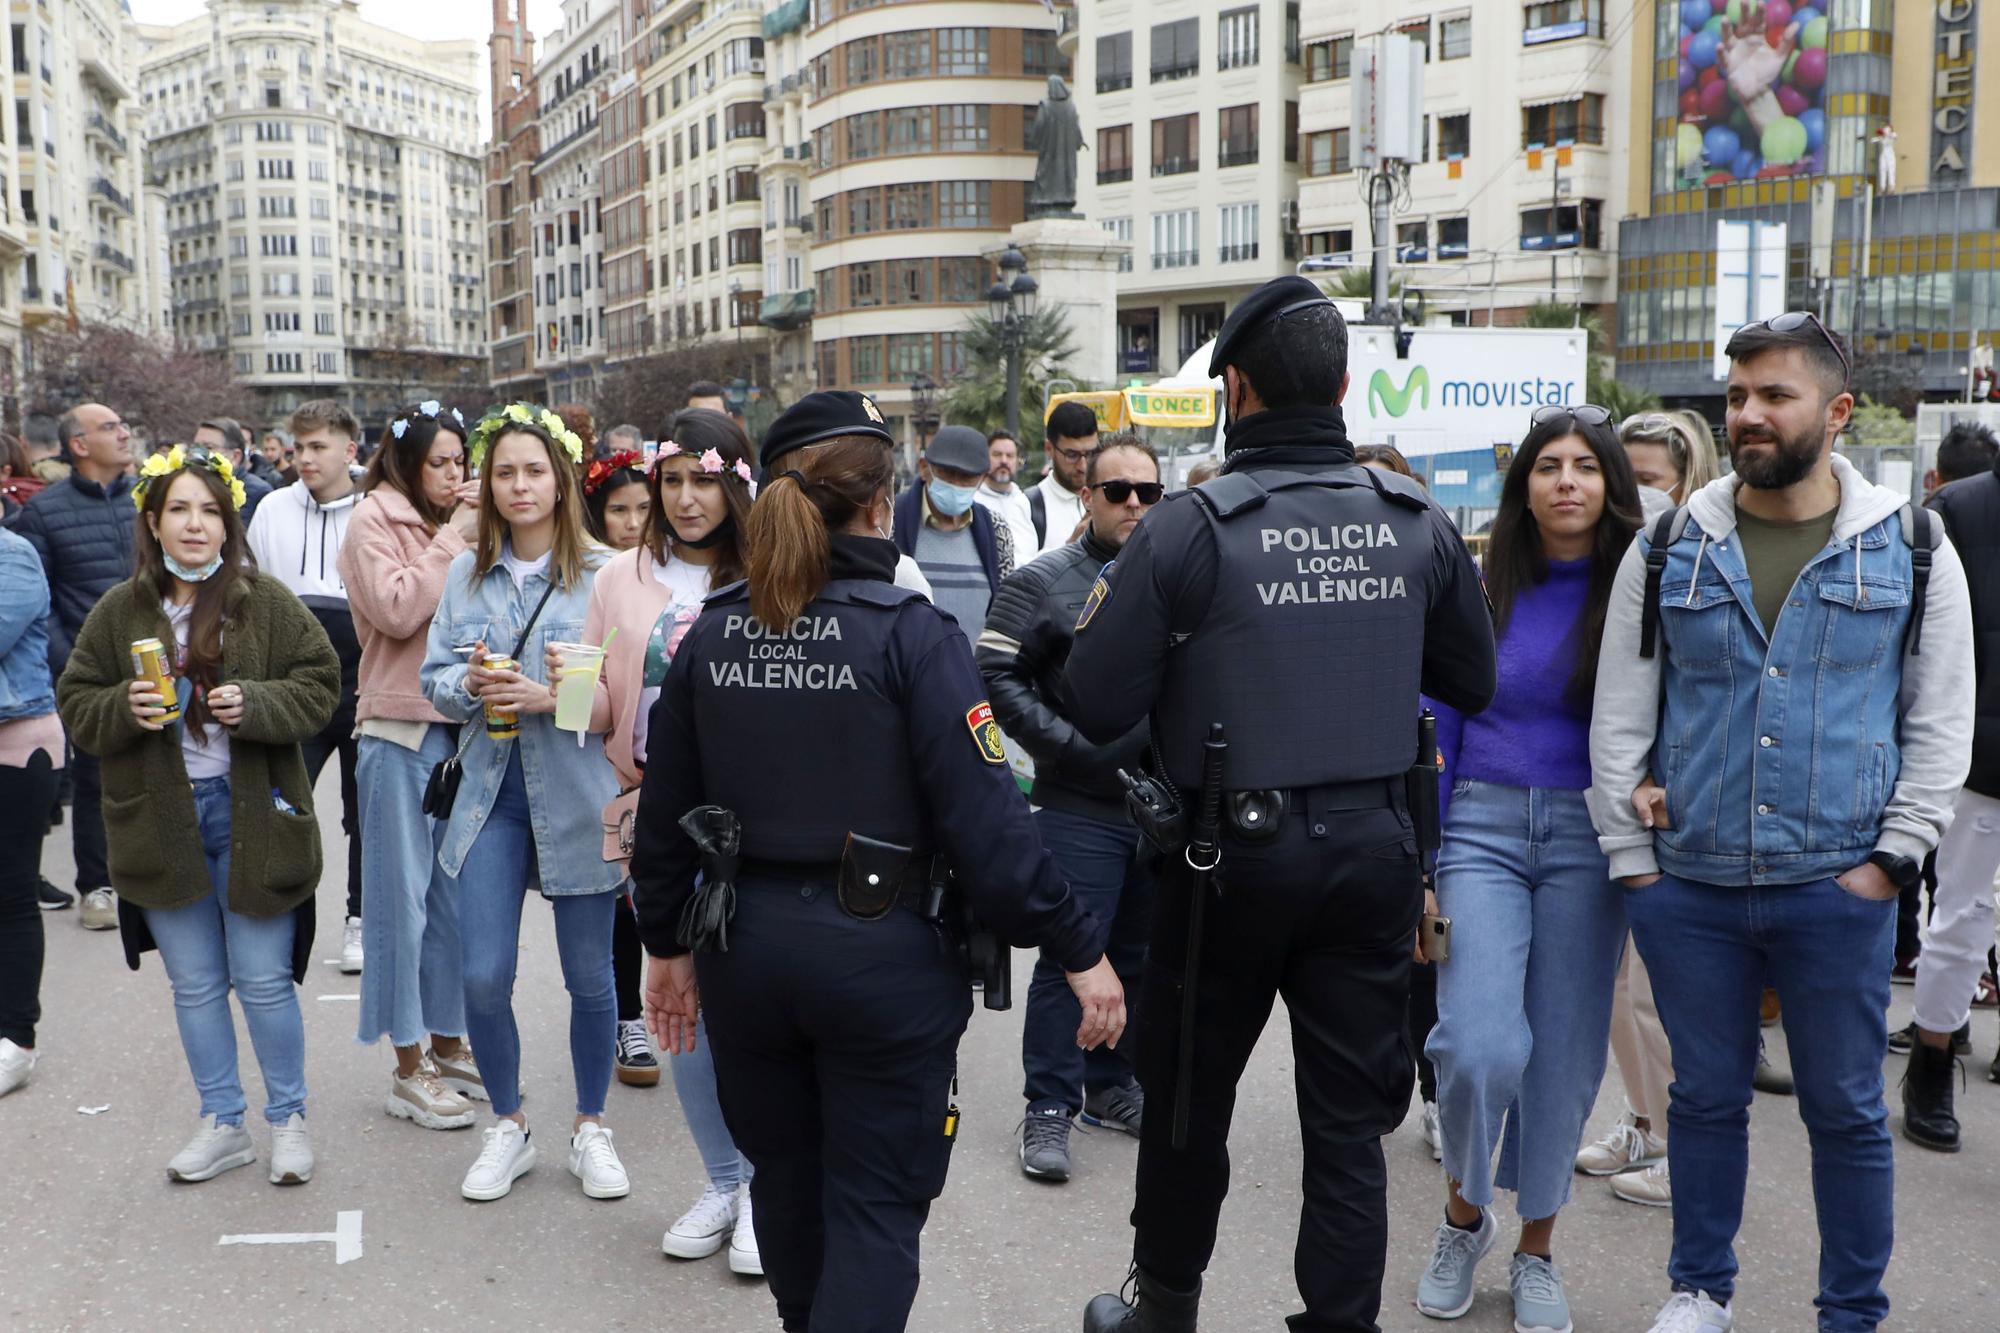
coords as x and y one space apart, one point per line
1038 510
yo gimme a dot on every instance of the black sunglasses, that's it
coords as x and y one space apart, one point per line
1118 492
1794 320
1585 414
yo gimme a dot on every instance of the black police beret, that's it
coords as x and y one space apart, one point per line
1277 297
821 416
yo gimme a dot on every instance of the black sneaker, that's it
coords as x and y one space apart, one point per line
638 1067
1120 1108
1769 1078
1045 1144
52 898
1905 1037
1928 1118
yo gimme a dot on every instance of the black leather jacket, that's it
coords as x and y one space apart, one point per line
1022 653
1971 512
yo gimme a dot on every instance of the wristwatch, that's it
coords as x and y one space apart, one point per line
1903 872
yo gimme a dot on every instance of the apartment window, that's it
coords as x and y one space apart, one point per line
965 128
283 363
965 204
1176 49
1121 229
1454 137
1114 154
281 321
909 129
323 323
1114 62
1174 150
746 120
278 244
322 247
1455 37
864 213
746 246
1564 228
274 168
864 360
1412 242
1454 235
1039 56
906 55
1558 20
1419 31
1237 141
908 206
1236 233
1327 152
864 136
741 185
316 170
1199 323
274 95
909 356
1579 120
1176 239
1236 38
962 51
963 280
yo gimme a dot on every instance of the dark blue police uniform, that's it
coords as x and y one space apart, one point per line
836 1039
1301 601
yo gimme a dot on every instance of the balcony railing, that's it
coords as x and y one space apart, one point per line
1233 254
1112 83
1174 166
1238 157
1113 175
98 124
1164 73
1176 259
110 254
104 189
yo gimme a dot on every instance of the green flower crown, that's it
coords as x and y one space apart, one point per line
498 419
164 463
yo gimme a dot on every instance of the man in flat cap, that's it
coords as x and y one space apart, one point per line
961 548
1297 603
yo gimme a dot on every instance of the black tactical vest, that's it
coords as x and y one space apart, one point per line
1311 653
802 733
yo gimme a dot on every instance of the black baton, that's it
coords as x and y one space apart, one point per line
1203 854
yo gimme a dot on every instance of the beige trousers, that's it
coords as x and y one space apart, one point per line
1645 1063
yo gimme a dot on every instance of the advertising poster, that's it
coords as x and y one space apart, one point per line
1752 90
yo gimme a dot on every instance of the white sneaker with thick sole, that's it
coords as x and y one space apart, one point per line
291 1152
1653 1187
459 1071
594 1161
423 1098
1625 1148
350 946
507 1154
1693 1312
213 1150
1434 1131
744 1259
17 1066
704 1228
100 910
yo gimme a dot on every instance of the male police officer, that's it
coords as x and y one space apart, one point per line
1299 601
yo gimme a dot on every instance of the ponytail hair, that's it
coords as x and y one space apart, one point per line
790 527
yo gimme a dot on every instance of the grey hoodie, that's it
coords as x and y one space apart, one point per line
1934 699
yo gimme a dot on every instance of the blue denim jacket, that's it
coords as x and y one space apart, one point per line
25 687
568 785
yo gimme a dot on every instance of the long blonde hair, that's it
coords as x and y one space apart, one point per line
567 563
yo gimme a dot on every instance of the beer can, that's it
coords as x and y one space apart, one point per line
501 723
150 661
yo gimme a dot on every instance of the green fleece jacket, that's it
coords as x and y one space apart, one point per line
275 650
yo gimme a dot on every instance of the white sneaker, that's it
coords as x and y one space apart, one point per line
213 1150
1434 1131
1693 1312
703 1228
100 910
1625 1148
1653 1187
423 1098
460 1073
350 946
743 1257
506 1156
16 1066
291 1152
594 1161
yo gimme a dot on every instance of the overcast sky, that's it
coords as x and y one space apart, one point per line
432 20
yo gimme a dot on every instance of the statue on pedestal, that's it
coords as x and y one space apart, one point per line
1056 137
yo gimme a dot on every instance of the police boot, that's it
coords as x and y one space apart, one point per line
1154 1308
1928 1120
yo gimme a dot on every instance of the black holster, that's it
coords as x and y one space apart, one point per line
1421 791
1156 811
717 834
871 877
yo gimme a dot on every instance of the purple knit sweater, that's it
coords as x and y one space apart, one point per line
1531 735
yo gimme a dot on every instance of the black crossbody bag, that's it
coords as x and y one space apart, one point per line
442 790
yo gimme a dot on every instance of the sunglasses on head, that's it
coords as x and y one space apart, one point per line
1794 320
1584 414
1118 492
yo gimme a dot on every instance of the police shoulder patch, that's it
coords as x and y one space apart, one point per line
986 733
1100 593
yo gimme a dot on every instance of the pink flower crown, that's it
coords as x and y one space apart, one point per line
710 461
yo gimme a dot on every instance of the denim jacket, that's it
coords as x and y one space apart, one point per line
568 785
1792 756
26 689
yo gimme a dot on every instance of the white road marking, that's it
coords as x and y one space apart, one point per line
330 999
345 1238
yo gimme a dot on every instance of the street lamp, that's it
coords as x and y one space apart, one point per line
923 397
1011 303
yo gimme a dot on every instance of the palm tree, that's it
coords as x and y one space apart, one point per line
1621 400
1358 284
977 395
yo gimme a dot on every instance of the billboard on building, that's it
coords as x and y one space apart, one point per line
1752 89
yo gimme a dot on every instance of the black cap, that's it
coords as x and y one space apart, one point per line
821 416
1278 297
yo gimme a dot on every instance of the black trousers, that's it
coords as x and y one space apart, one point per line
1326 919
25 797
86 823
1424 1017
338 738
627 960
836 1046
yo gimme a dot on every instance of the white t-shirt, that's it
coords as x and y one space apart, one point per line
1012 505
205 749
686 585
520 568
1064 509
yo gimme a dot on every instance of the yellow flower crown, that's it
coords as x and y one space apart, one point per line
164 463
498 419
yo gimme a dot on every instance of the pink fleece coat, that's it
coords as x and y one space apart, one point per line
394 567
626 594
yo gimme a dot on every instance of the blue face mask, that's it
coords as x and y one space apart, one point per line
191 573
949 500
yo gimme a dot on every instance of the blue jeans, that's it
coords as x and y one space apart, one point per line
414 982
1710 950
498 868
1524 1004
694 1084
207 948
1107 873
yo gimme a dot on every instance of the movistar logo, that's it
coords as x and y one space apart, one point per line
1383 395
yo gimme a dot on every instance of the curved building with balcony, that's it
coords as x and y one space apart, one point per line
919 166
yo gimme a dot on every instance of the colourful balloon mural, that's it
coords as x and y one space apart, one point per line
1752 89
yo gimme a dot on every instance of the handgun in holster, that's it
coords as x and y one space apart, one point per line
986 955
1421 789
1155 809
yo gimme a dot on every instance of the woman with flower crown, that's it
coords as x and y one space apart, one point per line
208 817
526 810
699 491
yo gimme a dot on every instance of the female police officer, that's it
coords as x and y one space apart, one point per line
840 723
